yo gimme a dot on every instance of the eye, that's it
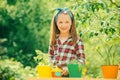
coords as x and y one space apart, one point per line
67 21
60 22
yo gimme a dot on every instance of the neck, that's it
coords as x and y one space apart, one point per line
64 35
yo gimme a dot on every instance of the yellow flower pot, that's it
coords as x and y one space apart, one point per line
44 71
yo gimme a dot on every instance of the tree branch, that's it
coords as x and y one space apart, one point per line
115 4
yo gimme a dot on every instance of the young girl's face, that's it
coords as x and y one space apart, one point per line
64 23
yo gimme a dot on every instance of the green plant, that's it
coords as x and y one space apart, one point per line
42 58
13 70
108 54
74 61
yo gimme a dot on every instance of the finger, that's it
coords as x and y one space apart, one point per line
63 73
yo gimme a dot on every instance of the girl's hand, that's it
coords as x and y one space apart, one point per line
65 71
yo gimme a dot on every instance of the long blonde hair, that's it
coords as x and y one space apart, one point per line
55 30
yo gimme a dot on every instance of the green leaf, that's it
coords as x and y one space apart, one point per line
81 34
78 15
88 6
96 34
11 2
93 7
91 34
102 23
112 30
101 30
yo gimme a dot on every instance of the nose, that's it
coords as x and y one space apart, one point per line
63 25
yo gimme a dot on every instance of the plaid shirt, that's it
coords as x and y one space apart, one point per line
61 54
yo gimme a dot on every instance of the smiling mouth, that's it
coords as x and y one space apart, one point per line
63 28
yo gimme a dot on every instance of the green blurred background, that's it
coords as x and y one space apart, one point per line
25 27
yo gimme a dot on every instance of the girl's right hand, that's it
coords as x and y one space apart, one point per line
65 71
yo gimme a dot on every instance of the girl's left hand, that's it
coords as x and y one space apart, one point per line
65 71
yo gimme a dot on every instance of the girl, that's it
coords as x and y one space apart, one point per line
65 45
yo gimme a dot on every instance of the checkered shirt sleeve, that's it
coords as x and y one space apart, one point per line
79 50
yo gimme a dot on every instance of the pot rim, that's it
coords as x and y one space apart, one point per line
109 65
